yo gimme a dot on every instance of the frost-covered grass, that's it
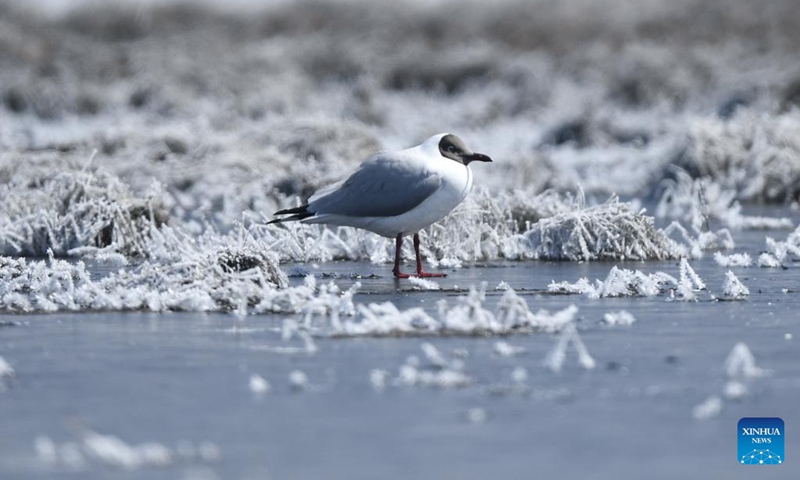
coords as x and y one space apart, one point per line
89 214
65 212
700 201
612 230
238 113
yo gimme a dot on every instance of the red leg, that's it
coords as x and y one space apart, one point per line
397 256
421 273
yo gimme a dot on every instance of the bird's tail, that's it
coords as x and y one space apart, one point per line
298 213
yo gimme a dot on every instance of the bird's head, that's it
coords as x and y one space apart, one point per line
453 148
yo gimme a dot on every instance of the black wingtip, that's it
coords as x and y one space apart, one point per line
298 210
297 213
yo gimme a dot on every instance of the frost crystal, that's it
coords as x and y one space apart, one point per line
298 380
687 274
423 284
618 318
5 370
555 359
767 260
378 379
618 283
688 283
734 260
519 375
506 350
733 288
710 408
258 385
735 390
440 372
742 364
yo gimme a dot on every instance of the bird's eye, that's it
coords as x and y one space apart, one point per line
451 149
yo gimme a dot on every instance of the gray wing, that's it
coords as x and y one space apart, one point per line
384 186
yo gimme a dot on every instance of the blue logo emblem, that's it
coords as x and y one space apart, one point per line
761 441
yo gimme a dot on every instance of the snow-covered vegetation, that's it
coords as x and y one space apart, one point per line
160 139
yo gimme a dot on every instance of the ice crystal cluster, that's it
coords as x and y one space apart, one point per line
467 317
622 282
734 288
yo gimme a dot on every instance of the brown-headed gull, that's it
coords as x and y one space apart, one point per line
395 194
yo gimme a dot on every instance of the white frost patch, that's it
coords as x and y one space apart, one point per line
742 364
735 390
291 329
519 375
298 380
476 415
467 317
439 372
733 288
710 408
378 379
258 384
767 260
111 451
505 349
5 370
618 318
423 284
555 359
733 260
434 356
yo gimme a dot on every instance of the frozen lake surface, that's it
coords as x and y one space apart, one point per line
183 380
